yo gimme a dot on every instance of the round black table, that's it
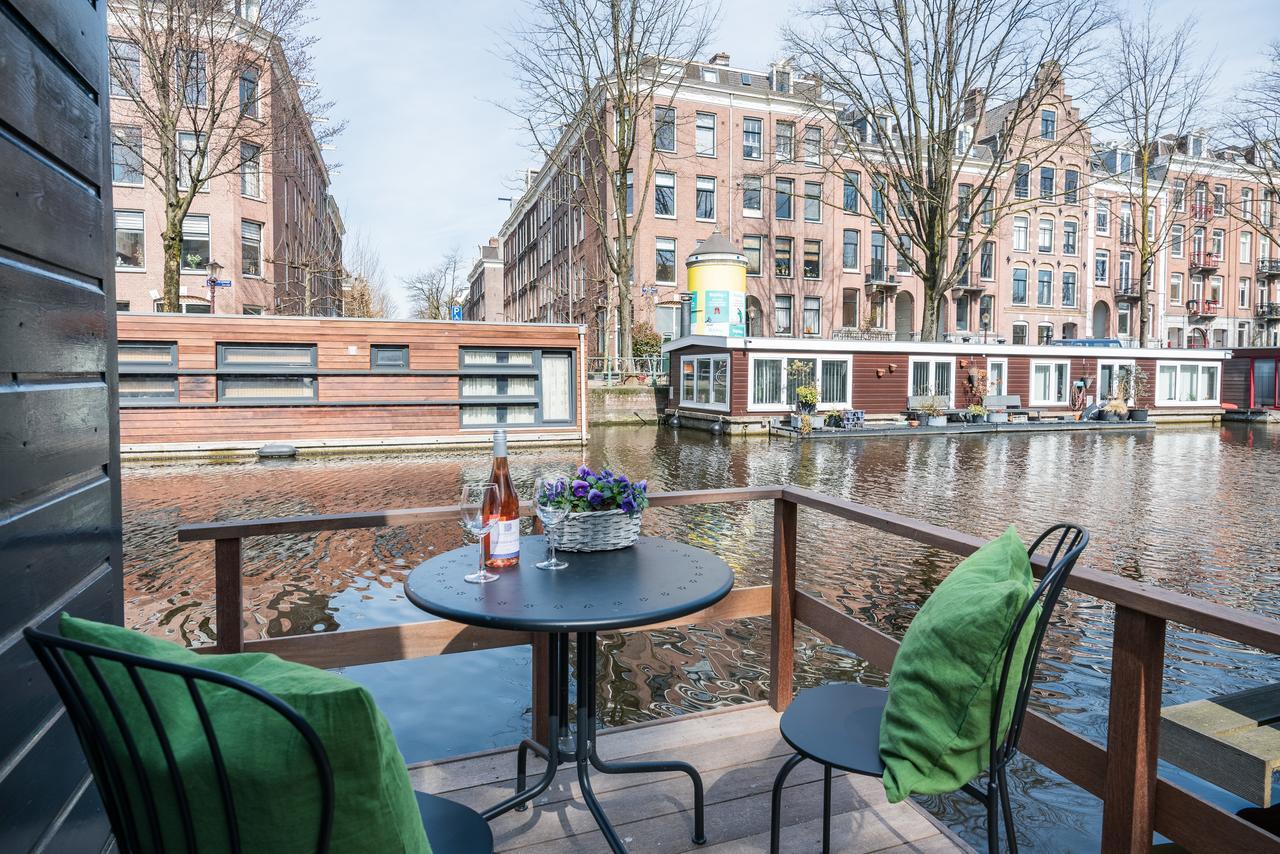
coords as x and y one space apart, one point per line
653 581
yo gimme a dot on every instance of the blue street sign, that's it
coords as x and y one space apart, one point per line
220 283
455 312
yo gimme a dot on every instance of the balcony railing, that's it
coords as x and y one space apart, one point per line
614 370
1202 212
1206 260
1202 308
1268 310
1127 235
1136 800
1269 266
1126 287
880 277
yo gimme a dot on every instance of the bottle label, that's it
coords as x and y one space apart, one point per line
504 539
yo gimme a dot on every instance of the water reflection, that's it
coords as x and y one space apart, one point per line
1184 508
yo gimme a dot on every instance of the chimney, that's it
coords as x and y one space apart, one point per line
720 58
493 241
974 101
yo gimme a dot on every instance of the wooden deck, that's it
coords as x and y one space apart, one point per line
738 752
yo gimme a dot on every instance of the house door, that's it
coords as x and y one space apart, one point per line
903 311
1101 320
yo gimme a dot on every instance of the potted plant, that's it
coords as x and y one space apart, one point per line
977 413
1133 386
997 416
604 511
806 399
934 416
1115 410
806 394
833 419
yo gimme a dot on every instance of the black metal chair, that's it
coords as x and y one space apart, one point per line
838 725
140 801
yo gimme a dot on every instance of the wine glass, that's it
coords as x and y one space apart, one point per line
471 513
550 495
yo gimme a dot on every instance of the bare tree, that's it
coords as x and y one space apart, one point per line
590 75
216 88
1154 93
1255 123
432 294
368 295
906 85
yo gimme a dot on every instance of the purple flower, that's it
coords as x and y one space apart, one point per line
606 474
580 488
627 504
621 480
643 485
595 496
583 471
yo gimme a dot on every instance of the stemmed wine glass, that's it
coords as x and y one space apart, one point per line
548 493
472 515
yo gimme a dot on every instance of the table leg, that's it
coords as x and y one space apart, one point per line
585 737
699 798
551 753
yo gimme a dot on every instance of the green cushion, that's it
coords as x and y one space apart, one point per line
275 787
935 733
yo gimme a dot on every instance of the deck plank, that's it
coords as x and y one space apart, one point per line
737 752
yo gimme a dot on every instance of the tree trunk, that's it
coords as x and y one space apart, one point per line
172 242
1144 327
624 312
929 314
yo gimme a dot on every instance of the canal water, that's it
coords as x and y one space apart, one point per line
1189 509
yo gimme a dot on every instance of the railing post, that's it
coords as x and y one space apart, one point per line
228 604
782 644
1133 728
541 694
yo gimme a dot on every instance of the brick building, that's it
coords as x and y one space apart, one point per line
742 152
484 285
271 227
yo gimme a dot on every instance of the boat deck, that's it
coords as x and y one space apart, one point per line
738 751
875 431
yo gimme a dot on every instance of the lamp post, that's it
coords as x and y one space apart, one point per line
214 269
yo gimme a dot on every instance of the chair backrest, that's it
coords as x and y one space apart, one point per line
1002 401
150 804
1064 543
915 401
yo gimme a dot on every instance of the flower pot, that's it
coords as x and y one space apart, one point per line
806 408
1137 415
594 532
937 421
913 423
1111 416
997 418
794 421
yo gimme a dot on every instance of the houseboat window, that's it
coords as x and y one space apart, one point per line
834 384
514 358
388 356
557 387
997 372
266 388
766 384
1186 382
498 386
932 377
1110 376
1264 382
152 354
141 387
705 381
266 356
800 372
1049 383
488 416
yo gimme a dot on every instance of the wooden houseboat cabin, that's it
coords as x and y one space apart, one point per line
749 381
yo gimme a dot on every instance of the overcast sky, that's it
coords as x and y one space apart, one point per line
426 154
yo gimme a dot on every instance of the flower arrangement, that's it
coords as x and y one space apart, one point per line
591 492
977 410
930 409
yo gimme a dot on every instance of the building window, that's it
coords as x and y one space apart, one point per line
1101 260
1019 295
1123 317
1046 182
139 387
705 198
904 253
812 145
1244 288
130 240
752 193
631 192
1068 288
251 247
389 357
193 77
964 195
664 194
785 141
122 305
877 257
1175 287
1048 124
1050 382
849 308
812 201
784 189
851 249
1044 334
135 355
813 316
1021 227
782 256
190 306
1022 181
1070 234
1071 187
1102 217
1044 287
782 314
250 170
126 68
1045 236
1179 194
1246 203
1186 382
877 197
705 135
752 139
812 259
1219 200
126 155
249 92
1019 333
752 247
188 148
258 356
665 260
852 193
1246 247
664 128
962 313
987 260
251 309
1176 235
195 243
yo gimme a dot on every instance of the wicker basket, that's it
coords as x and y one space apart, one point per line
596 532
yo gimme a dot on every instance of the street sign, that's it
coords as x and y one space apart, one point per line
455 312
220 283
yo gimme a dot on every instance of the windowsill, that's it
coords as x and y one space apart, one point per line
131 269
704 219
662 216
137 186
752 215
813 221
849 269
665 150
204 273
708 156
753 159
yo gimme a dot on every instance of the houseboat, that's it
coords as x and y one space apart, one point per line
1251 384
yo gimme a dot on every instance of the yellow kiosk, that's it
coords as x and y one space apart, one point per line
717 276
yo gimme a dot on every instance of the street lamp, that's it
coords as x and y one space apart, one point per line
214 269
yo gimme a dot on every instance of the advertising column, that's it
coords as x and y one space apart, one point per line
717 276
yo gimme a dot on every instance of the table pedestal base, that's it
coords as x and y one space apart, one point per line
582 752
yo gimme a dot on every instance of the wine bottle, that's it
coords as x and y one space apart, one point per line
502 546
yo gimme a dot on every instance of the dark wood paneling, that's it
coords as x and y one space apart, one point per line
50 323
81 830
880 394
52 432
74 33
37 788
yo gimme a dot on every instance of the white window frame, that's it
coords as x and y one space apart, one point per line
933 360
728 382
786 404
675 196
1162 400
698 148
1004 363
1114 363
757 212
1021 226
698 181
1052 364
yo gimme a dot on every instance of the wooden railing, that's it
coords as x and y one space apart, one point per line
1136 801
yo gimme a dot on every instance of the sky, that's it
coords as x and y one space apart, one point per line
427 153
